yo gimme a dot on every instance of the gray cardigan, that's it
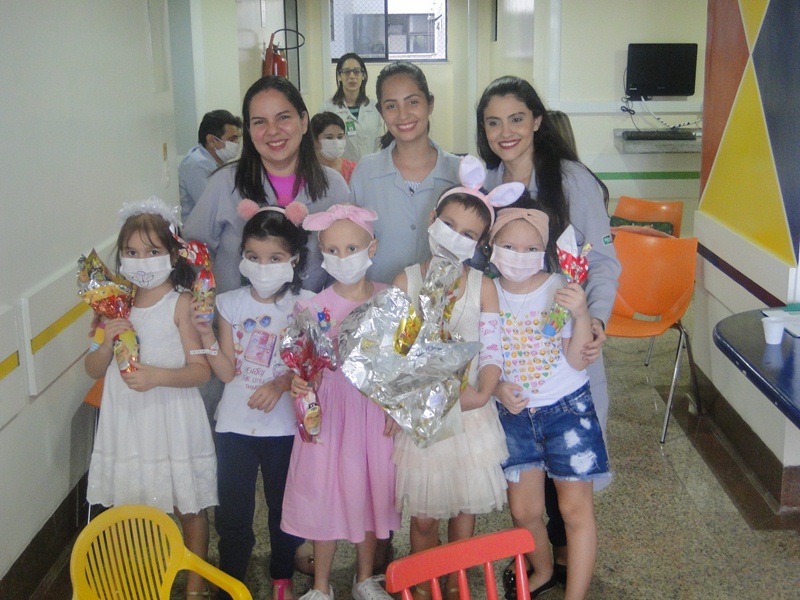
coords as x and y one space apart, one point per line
215 222
403 217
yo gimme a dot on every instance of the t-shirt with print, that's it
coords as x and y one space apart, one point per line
530 359
256 343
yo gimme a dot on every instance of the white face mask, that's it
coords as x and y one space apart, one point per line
267 279
229 151
146 272
440 235
517 266
347 270
332 149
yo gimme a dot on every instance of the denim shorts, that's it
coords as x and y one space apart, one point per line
564 439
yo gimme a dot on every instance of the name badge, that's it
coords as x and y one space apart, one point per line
350 127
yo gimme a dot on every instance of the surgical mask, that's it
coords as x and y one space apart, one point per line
228 152
441 235
332 149
267 279
347 270
517 266
147 273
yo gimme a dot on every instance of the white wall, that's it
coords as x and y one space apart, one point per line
85 130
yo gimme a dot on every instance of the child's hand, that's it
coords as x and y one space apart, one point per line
573 298
300 387
509 395
142 379
391 427
266 396
96 320
201 321
115 327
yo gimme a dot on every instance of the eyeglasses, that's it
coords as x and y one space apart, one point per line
348 72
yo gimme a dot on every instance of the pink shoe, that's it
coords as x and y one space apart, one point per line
278 588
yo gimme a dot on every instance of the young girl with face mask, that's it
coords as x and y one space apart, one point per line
544 400
342 486
459 477
153 443
329 142
255 421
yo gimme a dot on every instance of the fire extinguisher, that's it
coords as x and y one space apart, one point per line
275 58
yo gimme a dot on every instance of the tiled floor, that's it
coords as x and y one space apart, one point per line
667 527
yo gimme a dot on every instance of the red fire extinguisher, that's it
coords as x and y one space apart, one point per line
274 57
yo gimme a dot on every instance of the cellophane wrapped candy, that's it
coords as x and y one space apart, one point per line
204 287
399 357
306 350
575 267
110 296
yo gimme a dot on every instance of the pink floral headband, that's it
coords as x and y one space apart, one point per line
294 211
362 217
472 174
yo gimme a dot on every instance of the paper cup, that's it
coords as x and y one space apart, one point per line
773 329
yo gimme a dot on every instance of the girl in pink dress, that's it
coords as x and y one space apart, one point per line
342 486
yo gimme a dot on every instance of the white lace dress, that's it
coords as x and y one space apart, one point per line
461 473
153 447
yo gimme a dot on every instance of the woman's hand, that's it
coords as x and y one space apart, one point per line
143 378
510 395
591 350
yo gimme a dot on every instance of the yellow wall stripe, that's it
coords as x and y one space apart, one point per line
41 340
9 364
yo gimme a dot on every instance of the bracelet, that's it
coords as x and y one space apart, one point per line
213 351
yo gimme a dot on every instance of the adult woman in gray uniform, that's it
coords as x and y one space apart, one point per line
519 142
360 115
404 180
278 165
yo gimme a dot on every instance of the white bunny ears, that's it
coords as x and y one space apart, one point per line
472 174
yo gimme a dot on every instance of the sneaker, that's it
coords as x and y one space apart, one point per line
370 589
313 594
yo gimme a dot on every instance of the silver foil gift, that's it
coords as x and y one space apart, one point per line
417 381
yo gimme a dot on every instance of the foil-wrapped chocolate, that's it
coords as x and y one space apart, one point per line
417 379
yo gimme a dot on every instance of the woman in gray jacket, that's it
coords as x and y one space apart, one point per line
278 165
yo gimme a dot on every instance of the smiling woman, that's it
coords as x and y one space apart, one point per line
278 165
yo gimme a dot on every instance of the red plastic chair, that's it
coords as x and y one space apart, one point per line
429 565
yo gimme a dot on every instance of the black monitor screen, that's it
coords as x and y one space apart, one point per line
660 70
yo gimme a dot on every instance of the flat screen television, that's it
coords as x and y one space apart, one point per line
660 70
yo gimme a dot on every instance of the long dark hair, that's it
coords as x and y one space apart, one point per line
338 97
272 223
155 228
549 150
401 67
250 170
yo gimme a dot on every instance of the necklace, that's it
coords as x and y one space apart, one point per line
515 317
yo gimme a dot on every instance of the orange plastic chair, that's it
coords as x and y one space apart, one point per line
134 552
657 281
429 565
647 211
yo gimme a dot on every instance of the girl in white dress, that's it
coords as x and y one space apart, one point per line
154 443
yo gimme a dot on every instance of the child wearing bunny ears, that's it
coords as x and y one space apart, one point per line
342 486
459 476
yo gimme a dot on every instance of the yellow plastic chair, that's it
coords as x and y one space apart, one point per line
134 552
656 282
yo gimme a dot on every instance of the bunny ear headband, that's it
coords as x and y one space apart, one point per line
472 174
362 217
294 211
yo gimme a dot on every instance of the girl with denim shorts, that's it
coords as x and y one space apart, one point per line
544 401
